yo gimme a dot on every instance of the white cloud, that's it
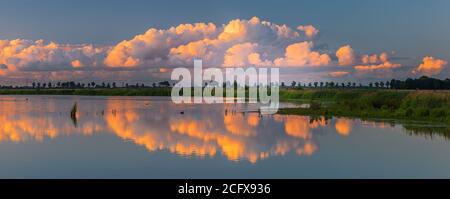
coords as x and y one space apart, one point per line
22 54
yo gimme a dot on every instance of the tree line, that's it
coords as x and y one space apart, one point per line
422 83
81 85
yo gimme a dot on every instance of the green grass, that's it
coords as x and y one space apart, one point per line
431 106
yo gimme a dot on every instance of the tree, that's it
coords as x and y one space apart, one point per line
293 83
321 84
164 83
315 84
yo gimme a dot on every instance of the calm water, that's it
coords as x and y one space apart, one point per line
147 137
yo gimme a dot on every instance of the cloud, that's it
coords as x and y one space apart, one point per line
153 47
431 66
245 54
238 43
309 30
20 54
338 74
376 62
301 54
385 65
345 55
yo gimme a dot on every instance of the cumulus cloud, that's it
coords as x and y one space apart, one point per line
245 54
238 43
431 66
23 54
376 62
345 55
153 47
300 54
309 30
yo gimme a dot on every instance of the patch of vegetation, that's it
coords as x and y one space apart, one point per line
431 106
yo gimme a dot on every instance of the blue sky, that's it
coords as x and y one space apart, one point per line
410 28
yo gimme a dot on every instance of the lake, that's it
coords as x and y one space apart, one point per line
150 137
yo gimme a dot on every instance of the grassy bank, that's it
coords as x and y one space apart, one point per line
385 104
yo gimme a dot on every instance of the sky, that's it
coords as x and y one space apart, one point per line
141 40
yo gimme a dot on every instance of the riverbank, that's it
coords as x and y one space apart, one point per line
430 106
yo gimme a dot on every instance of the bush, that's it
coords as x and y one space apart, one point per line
314 105
422 112
409 112
438 112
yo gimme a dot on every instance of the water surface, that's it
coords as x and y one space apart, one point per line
148 137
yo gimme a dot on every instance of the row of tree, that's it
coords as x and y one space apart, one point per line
79 85
332 84
423 83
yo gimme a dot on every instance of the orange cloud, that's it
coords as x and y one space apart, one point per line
164 70
238 43
21 54
309 30
345 55
301 54
431 66
376 62
153 46
385 65
339 73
